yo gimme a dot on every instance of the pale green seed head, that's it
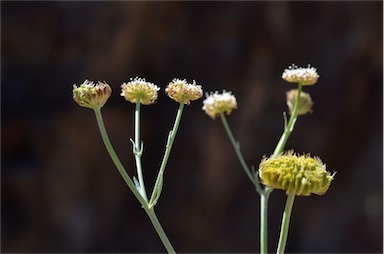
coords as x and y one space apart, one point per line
301 175
179 90
91 95
139 89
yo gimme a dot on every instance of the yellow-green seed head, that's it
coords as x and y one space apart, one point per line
90 95
304 76
139 89
216 103
179 90
305 104
301 175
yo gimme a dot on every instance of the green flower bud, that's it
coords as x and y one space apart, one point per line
92 96
179 90
305 104
301 175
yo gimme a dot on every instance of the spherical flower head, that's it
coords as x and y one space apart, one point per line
92 96
305 104
217 103
304 76
179 90
301 175
139 89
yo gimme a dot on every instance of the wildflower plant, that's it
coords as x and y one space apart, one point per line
139 92
296 175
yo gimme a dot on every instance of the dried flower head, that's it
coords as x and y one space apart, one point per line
305 104
302 175
92 96
304 76
139 89
216 103
179 90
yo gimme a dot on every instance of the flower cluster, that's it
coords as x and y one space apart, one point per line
305 103
181 91
139 89
216 103
90 95
304 76
301 175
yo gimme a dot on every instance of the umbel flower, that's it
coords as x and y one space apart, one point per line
217 103
139 89
304 76
301 175
179 90
305 104
90 95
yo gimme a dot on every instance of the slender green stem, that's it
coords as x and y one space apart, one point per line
264 196
236 146
285 223
171 137
138 150
150 212
264 193
289 127
116 159
159 229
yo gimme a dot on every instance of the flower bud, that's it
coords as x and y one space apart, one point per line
90 95
301 175
179 90
139 89
216 103
304 76
305 104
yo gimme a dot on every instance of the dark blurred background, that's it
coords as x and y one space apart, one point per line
60 191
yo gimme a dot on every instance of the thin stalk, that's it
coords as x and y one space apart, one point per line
138 151
264 193
159 229
150 212
285 223
289 127
171 137
236 146
116 159
264 196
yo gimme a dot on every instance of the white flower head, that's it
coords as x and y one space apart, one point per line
179 90
304 76
139 89
90 95
217 103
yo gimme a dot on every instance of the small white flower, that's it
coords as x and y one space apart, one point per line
139 89
217 103
179 90
304 76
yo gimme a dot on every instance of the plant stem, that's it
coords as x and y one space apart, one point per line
288 128
139 150
236 146
150 212
159 229
116 159
264 196
264 193
171 137
285 223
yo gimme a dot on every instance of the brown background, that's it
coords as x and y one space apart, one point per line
59 189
